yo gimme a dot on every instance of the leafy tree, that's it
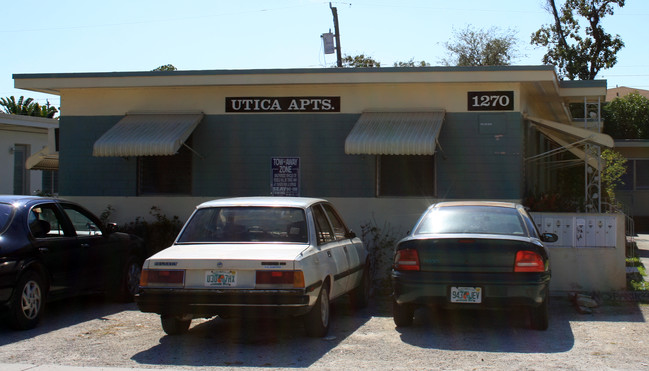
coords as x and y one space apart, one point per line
27 107
627 117
482 47
412 63
360 61
613 170
579 55
166 67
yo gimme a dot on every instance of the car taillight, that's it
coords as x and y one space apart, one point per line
528 261
161 277
293 278
406 260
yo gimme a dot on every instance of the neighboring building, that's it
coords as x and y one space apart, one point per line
381 143
634 193
22 137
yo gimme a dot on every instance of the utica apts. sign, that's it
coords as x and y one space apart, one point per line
281 104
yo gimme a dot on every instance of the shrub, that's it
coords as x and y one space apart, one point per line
380 244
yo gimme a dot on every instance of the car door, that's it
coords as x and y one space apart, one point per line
352 253
96 253
331 251
56 246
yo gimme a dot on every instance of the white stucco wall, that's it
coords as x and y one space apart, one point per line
589 256
8 139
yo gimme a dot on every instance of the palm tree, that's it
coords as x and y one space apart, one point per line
27 107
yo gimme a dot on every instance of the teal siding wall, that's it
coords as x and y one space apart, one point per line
482 156
236 151
81 174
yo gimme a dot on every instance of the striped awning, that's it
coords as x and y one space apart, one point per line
43 160
146 135
395 133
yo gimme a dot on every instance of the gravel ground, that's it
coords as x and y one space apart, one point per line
89 332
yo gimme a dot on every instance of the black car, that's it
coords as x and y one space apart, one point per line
473 255
52 248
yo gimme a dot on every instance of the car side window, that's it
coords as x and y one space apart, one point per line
529 223
338 226
322 227
82 223
44 222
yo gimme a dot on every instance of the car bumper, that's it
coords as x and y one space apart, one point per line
498 290
223 302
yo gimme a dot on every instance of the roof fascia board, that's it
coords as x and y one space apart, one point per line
57 82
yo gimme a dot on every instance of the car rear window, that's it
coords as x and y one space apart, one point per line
472 219
6 212
246 224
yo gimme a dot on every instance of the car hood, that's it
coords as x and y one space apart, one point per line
238 252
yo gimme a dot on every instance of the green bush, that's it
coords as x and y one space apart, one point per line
380 244
157 235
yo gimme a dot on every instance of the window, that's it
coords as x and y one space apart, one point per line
82 223
636 176
50 182
166 174
322 228
21 174
337 224
406 176
44 221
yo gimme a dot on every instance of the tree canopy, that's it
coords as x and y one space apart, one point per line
577 54
166 67
27 107
481 47
360 61
627 117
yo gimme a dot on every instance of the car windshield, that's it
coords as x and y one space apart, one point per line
472 219
5 215
246 224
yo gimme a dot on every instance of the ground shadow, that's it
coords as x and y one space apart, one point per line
508 331
64 313
276 342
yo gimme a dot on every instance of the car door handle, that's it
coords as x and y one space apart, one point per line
329 253
44 250
85 245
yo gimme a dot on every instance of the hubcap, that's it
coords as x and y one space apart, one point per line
31 300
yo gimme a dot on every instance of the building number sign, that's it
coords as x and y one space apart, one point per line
490 101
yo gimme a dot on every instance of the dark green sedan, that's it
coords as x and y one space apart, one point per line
473 255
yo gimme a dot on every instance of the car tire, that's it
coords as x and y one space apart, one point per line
27 302
175 325
403 314
539 316
360 296
316 322
129 280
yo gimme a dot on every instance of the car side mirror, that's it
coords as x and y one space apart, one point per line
111 227
350 235
549 237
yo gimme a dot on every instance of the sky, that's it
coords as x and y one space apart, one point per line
42 36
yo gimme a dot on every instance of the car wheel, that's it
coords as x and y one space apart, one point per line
360 296
539 315
316 322
403 314
175 325
27 302
130 280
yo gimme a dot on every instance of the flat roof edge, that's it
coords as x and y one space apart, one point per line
279 71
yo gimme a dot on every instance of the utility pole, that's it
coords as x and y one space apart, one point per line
339 57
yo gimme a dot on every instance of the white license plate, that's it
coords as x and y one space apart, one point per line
220 278
466 295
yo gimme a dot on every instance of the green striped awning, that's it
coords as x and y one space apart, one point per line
146 135
395 133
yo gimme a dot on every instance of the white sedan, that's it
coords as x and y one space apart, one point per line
277 256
